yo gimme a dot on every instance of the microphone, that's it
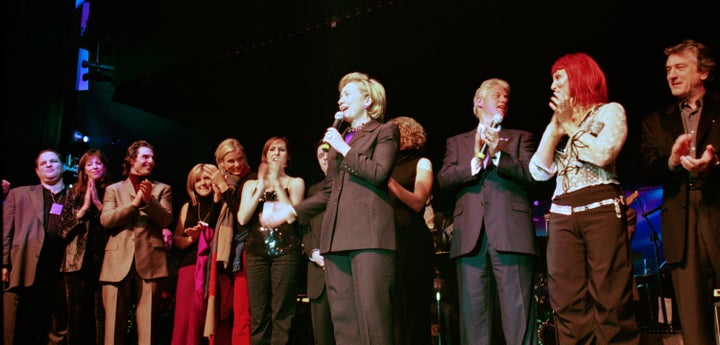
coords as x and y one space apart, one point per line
647 213
497 119
339 118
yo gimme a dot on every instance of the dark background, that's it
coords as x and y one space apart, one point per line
185 75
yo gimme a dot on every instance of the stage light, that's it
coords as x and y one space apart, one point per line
78 137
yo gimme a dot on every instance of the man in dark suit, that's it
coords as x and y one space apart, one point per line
134 213
34 294
678 150
493 239
316 292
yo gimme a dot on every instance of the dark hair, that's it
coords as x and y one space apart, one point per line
48 150
81 185
131 155
269 142
705 62
412 133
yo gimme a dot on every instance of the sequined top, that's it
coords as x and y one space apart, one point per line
589 156
282 240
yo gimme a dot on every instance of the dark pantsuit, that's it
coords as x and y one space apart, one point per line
322 320
359 286
513 274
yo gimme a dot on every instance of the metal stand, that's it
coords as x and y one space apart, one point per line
439 314
656 245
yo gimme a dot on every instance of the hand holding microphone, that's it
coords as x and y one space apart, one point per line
488 138
333 137
339 118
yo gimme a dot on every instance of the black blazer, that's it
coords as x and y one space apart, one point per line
496 198
659 131
358 214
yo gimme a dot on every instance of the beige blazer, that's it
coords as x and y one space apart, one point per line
135 235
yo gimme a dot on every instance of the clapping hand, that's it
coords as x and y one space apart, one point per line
194 231
491 136
144 194
680 148
280 214
146 190
563 110
698 165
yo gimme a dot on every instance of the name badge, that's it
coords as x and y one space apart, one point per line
56 209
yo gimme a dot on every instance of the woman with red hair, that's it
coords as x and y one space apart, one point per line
588 251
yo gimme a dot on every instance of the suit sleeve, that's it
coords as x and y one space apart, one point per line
514 163
115 215
159 209
376 167
454 172
8 226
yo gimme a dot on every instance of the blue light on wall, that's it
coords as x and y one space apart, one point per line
81 82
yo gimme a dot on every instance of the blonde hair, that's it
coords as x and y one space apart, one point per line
487 86
195 173
226 146
371 88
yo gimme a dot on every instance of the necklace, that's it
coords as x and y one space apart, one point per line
203 219
359 127
60 195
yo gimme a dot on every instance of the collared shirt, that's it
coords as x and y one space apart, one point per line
691 118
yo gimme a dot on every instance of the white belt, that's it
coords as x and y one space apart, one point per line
568 210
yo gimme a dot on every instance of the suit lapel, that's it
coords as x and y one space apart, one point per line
467 147
367 128
709 115
128 188
36 197
672 121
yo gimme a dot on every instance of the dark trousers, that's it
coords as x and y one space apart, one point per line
85 312
414 296
359 285
36 314
272 287
322 326
590 271
486 274
695 277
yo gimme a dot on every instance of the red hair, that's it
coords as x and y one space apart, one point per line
586 81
